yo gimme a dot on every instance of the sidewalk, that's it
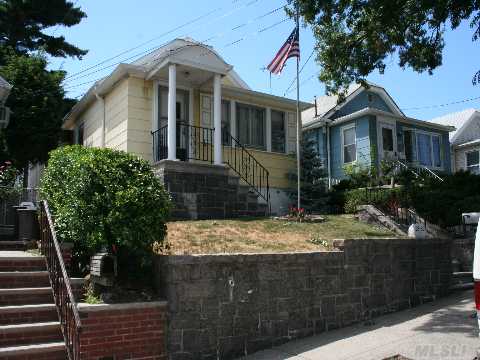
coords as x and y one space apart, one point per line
442 330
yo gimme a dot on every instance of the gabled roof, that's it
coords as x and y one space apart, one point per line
459 120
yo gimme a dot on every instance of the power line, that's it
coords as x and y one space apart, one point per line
203 41
444 104
190 22
225 46
302 83
303 66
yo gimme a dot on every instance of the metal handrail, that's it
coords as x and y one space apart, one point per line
60 282
247 167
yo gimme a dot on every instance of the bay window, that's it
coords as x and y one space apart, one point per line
251 126
429 150
278 131
349 144
473 161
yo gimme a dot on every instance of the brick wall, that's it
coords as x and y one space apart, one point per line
229 305
124 331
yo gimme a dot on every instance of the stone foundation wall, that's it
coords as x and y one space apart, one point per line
205 191
225 306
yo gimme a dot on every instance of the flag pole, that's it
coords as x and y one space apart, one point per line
299 125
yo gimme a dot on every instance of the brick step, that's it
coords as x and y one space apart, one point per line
45 351
22 314
24 279
12 245
24 296
28 334
22 263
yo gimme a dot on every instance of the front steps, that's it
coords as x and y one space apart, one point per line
29 324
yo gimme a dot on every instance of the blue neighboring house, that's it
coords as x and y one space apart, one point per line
368 127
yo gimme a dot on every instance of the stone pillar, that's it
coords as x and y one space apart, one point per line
172 112
217 119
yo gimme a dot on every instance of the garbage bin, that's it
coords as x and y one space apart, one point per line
28 227
15 220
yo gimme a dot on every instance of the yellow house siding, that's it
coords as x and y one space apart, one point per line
92 124
116 117
140 105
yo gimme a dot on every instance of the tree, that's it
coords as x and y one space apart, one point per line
38 105
354 37
22 23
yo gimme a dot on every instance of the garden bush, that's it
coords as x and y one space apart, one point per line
101 198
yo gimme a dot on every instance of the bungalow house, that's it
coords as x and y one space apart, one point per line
465 140
368 127
221 148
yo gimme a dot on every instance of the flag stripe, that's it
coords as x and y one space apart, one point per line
291 48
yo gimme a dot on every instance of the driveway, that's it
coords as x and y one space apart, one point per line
442 330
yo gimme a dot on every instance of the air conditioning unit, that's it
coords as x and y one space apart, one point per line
4 117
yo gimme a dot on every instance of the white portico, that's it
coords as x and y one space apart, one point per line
176 72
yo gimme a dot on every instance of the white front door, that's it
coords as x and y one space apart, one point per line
387 140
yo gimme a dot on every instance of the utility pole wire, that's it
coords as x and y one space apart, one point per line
301 69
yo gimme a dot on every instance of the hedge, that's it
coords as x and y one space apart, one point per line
102 198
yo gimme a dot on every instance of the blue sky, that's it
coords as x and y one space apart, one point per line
115 26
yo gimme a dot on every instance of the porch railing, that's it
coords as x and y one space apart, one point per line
193 143
60 282
196 143
242 162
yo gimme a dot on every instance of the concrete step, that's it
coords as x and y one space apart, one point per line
28 334
22 314
24 279
16 261
12 245
25 296
45 351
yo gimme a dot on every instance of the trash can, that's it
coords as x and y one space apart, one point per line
15 220
28 227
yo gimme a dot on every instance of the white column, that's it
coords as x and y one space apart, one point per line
172 112
269 129
217 120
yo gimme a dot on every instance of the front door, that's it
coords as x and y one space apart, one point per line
387 141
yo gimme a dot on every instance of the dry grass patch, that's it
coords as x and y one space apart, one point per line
264 235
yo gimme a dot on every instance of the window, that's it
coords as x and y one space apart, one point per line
349 145
278 131
226 140
387 139
473 161
79 137
429 150
251 126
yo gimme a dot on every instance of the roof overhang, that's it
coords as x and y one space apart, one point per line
468 144
321 121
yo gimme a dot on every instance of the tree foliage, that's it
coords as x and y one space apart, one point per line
22 25
37 104
105 198
355 37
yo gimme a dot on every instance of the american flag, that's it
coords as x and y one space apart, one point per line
291 48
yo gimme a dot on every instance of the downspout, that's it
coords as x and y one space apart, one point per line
327 128
102 100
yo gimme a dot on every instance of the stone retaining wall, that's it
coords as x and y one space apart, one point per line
225 306
123 331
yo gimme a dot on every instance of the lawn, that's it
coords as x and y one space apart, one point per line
264 235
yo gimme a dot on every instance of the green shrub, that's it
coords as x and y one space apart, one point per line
383 198
101 198
444 202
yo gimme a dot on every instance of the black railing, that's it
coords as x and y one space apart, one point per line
196 143
60 282
390 204
193 143
242 162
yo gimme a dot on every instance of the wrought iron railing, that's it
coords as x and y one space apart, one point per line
60 282
196 143
419 171
242 162
193 143
390 204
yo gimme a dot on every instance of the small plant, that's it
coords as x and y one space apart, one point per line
90 296
297 214
317 240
